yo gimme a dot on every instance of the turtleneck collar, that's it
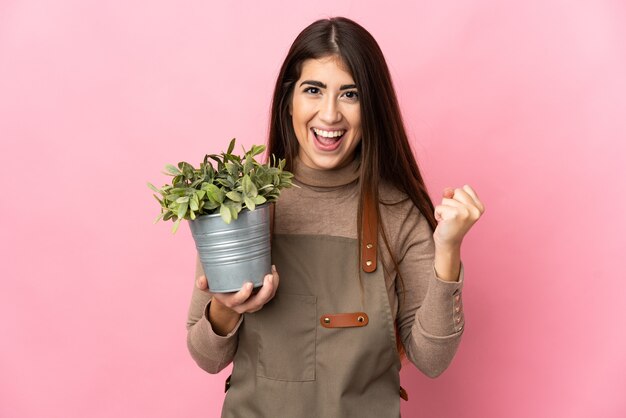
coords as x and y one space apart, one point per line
326 178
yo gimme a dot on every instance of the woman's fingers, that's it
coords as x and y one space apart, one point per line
453 203
202 284
477 201
445 212
460 208
460 195
257 301
276 280
245 301
265 293
463 209
464 198
236 299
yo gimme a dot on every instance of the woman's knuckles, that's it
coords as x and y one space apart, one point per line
201 283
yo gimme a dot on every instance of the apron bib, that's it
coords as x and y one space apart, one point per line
325 346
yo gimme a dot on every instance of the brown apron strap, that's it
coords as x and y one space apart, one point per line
369 235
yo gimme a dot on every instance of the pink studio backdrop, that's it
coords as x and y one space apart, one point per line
522 100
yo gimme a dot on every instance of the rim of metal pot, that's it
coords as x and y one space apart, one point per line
244 209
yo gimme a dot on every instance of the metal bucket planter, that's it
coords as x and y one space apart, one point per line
234 253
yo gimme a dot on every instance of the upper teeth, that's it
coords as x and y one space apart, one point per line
328 134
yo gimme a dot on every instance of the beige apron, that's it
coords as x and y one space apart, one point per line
323 347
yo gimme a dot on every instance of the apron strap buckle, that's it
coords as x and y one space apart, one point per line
344 320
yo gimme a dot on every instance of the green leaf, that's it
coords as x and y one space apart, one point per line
213 192
249 189
234 196
207 168
187 169
194 203
232 169
223 182
258 149
157 198
234 210
170 169
231 146
150 185
218 160
259 200
210 205
225 213
178 180
249 203
220 195
209 188
184 199
248 165
159 217
182 210
176 225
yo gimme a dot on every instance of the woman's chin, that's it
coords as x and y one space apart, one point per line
326 162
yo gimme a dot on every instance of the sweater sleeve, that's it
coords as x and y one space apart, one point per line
430 316
212 352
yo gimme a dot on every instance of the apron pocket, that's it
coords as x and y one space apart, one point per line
287 327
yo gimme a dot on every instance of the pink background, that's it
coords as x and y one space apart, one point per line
525 101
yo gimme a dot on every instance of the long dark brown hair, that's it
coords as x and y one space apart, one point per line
384 149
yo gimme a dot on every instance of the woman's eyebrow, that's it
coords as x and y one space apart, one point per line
323 86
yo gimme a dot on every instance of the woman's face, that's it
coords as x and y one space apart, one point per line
326 114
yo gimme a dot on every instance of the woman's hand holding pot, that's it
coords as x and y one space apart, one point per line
226 308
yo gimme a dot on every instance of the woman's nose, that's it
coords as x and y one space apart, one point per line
329 112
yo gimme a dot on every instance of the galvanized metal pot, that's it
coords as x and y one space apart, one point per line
234 253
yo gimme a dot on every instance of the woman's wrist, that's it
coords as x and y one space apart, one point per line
223 319
448 263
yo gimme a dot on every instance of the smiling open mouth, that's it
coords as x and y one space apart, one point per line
328 140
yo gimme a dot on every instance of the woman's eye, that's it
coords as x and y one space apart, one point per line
312 90
352 95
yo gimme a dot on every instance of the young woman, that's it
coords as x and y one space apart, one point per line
369 269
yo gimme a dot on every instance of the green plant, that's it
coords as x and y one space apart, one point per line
236 182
